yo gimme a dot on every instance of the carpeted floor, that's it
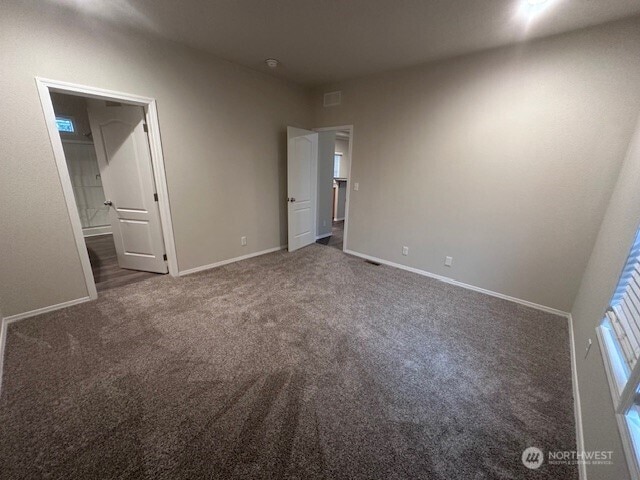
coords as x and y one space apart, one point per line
307 365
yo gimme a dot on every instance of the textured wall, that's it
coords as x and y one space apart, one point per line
223 131
504 160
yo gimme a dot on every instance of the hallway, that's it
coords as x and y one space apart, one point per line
104 264
336 238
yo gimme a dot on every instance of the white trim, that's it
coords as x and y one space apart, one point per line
451 281
628 393
3 339
67 188
45 87
40 311
189 271
160 177
577 406
348 180
97 231
320 237
3 336
338 219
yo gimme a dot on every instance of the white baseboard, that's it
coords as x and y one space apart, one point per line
3 338
95 231
320 237
577 409
32 313
40 311
189 271
338 219
451 281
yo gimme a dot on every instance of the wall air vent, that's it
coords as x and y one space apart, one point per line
332 99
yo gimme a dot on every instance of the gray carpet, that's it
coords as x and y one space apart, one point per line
308 365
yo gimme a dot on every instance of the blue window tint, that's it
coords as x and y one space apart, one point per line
65 125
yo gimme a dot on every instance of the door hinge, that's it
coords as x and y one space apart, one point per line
155 197
164 257
146 129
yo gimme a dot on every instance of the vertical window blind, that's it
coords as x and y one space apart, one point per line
624 311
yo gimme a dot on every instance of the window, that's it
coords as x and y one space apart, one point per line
65 124
337 159
619 336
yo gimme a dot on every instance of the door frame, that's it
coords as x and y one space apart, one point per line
346 206
45 88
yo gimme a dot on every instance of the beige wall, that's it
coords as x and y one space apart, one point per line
504 160
601 276
223 131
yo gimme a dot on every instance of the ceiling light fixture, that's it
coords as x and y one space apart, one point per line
531 9
272 62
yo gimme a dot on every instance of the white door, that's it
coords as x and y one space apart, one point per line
122 148
302 177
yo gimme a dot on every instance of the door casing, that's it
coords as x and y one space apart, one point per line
45 88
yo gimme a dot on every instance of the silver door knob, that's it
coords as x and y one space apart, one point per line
292 199
108 202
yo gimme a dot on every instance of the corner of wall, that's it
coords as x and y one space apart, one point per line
577 408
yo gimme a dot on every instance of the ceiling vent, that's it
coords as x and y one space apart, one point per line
332 99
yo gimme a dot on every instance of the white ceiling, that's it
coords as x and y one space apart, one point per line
320 41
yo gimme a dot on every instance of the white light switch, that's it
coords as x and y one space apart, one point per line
356 186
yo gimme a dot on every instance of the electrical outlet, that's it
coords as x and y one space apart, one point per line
448 261
356 186
405 251
243 241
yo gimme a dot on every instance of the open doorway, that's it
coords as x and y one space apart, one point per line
335 205
109 160
110 179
